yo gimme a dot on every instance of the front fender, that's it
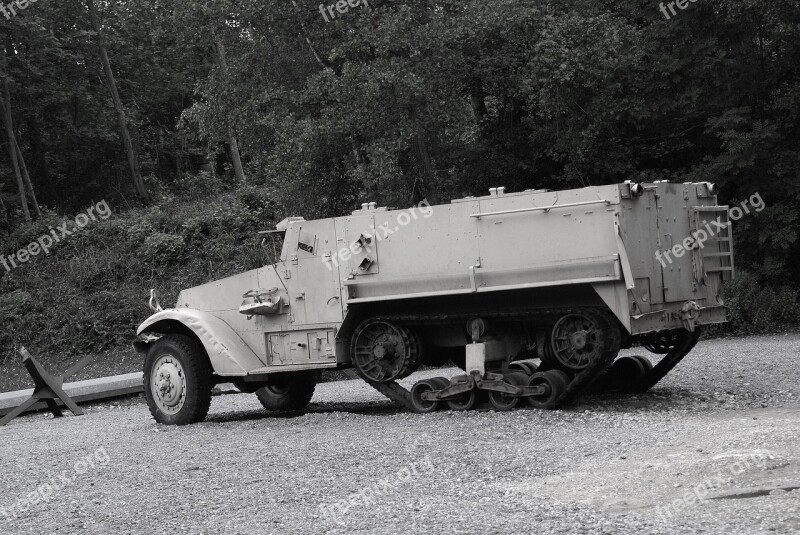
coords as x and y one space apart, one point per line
229 354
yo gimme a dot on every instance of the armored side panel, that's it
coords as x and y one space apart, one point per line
485 245
550 247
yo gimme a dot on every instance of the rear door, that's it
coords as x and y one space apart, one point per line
681 223
672 204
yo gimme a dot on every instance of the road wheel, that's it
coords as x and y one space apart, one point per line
648 366
288 391
504 402
178 380
440 383
528 367
555 383
422 405
465 401
627 372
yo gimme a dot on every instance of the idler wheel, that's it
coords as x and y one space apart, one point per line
663 342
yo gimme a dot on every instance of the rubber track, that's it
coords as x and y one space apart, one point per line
670 360
391 390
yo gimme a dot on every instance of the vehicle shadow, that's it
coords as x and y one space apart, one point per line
658 400
372 408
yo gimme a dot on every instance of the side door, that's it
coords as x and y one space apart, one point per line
314 297
314 292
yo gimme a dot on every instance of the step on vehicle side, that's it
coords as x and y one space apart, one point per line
532 294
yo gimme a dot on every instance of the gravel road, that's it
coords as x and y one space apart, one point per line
715 448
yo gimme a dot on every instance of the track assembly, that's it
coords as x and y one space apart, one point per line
588 339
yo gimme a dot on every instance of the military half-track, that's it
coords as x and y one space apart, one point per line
533 294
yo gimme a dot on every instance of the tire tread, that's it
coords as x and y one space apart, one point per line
198 371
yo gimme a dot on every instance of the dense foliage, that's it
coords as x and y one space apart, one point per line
391 102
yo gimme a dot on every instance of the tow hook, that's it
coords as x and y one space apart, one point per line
690 311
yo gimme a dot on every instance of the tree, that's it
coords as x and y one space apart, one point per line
233 143
133 160
11 140
3 210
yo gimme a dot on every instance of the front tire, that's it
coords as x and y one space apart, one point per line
288 391
178 380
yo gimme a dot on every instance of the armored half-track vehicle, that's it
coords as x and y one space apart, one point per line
532 293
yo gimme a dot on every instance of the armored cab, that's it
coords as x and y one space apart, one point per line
533 293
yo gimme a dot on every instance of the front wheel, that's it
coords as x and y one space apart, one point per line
178 380
288 391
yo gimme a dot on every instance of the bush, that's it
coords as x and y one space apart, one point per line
203 184
163 249
92 291
13 305
753 309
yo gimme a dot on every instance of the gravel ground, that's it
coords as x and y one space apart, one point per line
727 419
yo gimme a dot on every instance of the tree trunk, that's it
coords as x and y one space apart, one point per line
233 144
26 178
39 156
133 161
3 211
307 37
478 102
12 143
418 193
